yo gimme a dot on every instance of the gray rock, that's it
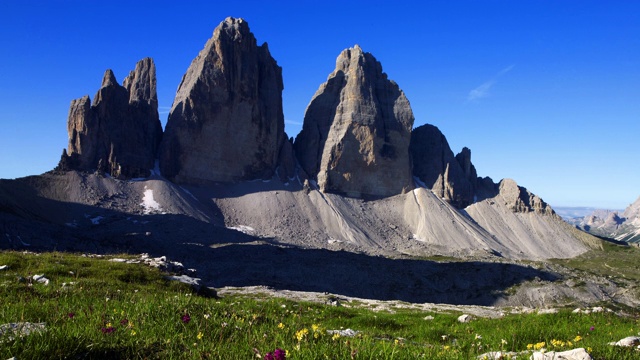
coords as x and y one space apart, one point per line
20 329
629 341
519 199
41 279
356 131
119 133
344 333
450 177
498 355
575 354
465 318
226 123
286 161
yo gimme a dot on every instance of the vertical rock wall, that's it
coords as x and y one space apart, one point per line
356 131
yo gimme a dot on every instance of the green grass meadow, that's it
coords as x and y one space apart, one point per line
97 309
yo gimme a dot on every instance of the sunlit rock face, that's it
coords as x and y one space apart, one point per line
226 123
119 133
356 131
519 199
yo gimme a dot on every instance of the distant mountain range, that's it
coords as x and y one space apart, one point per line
621 225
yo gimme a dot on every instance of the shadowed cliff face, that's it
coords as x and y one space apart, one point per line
119 133
226 122
356 131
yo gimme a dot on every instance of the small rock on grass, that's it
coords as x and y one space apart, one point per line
465 318
575 354
629 341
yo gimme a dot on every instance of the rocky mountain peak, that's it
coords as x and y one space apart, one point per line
109 79
119 133
356 131
450 177
226 123
141 83
519 199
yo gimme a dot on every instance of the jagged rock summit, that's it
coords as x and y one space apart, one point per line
226 123
435 165
119 133
356 131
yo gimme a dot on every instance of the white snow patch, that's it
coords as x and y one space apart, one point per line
334 241
243 229
149 204
416 237
96 220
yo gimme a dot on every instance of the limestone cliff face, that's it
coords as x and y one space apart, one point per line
226 123
119 133
356 131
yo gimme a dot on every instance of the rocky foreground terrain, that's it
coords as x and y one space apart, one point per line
359 204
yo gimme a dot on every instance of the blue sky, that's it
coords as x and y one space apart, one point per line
544 92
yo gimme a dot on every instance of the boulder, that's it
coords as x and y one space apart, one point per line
575 354
120 131
629 341
356 131
226 123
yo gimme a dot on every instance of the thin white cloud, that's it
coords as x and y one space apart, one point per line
484 90
292 122
163 110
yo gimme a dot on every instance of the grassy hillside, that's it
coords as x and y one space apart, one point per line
93 308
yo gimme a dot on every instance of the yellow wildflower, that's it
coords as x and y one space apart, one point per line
335 337
200 335
315 327
301 334
133 333
281 326
447 347
577 338
539 345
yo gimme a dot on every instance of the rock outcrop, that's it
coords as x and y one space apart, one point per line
356 131
450 177
226 123
520 200
119 133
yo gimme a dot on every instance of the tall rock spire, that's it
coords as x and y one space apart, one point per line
121 129
356 131
226 122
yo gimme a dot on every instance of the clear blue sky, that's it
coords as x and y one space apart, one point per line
544 92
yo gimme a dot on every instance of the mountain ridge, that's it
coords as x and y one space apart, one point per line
227 177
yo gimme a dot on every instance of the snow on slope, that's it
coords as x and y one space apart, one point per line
150 205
